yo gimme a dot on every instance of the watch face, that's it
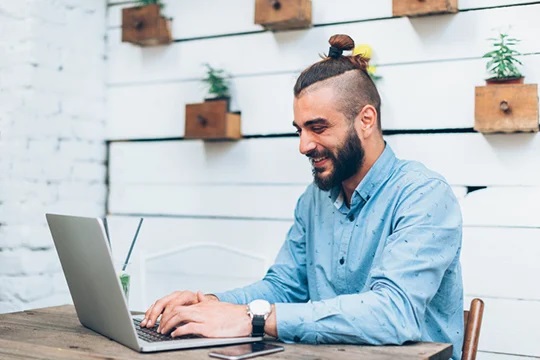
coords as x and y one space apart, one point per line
260 307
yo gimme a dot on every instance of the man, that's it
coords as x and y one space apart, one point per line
373 255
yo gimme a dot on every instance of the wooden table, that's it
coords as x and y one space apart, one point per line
55 333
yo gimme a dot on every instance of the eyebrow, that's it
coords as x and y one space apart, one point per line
317 121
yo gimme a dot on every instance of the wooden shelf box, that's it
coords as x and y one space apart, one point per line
283 14
211 120
423 7
145 26
506 108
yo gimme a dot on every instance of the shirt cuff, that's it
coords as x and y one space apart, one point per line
295 323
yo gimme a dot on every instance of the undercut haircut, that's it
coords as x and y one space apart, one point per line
347 75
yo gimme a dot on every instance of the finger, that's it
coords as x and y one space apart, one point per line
201 297
183 314
154 313
156 310
169 313
177 297
143 322
189 328
182 299
170 308
147 315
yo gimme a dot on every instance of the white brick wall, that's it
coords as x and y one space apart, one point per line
52 131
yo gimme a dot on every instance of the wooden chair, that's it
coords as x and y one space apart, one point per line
473 323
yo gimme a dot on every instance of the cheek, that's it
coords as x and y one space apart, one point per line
333 152
327 151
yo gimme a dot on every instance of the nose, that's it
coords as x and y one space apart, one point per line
306 143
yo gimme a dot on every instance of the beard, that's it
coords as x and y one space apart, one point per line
349 158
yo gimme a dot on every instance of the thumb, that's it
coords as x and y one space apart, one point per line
201 297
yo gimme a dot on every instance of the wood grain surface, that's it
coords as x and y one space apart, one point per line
55 333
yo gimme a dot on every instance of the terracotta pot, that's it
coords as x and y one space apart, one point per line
496 81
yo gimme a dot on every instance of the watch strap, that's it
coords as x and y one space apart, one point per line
257 323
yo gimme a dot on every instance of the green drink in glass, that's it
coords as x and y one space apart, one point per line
124 280
123 275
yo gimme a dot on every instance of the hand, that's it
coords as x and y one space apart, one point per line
165 306
207 318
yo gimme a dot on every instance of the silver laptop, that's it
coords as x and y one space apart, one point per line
96 291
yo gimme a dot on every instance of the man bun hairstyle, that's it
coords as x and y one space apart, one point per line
338 43
356 90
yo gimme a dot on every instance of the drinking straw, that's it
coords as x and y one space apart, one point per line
106 226
132 244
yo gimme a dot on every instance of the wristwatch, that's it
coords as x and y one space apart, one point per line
258 310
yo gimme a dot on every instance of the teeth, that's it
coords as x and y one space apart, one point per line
318 159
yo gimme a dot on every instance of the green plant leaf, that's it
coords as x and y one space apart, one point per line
217 81
502 61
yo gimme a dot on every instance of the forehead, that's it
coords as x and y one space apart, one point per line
316 103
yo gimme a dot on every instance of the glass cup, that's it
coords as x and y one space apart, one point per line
124 278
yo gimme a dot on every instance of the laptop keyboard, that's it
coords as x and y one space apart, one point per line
151 334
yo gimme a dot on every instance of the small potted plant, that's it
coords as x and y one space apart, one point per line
502 64
212 118
217 82
505 104
144 25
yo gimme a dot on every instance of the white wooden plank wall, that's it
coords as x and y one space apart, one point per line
216 213
438 56
245 248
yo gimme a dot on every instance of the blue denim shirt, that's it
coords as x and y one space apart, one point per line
384 271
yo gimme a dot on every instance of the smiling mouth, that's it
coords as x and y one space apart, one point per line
318 161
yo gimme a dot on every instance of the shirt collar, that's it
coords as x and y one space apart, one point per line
374 178
378 173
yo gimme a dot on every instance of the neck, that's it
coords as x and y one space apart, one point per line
372 152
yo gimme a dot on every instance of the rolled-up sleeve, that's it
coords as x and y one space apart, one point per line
286 280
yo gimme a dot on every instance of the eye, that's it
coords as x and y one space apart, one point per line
298 131
318 129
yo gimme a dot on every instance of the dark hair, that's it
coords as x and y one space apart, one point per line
356 91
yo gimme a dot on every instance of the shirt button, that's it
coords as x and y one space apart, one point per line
351 217
342 261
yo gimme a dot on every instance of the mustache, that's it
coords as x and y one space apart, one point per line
318 154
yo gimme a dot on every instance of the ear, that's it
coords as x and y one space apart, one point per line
366 121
